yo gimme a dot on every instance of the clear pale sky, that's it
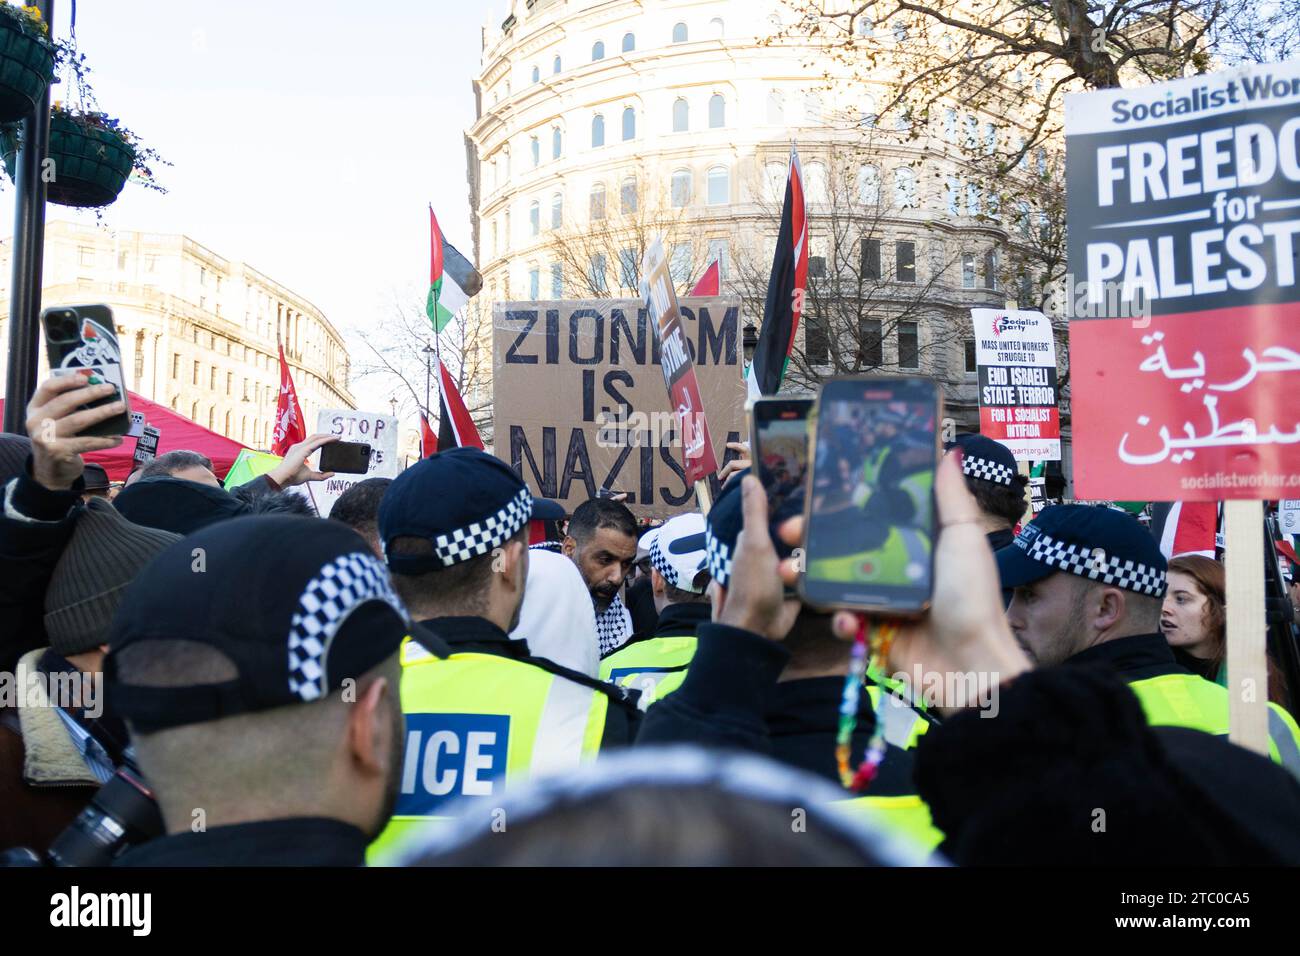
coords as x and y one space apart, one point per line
308 136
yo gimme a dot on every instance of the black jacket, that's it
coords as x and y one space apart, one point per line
677 620
1133 658
1025 787
29 550
477 635
295 841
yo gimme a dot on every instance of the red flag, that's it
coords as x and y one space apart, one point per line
428 440
289 427
710 282
1185 527
435 248
785 290
456 430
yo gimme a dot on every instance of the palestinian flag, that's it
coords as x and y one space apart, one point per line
453 281
428 440
1185 527
709 282
785 290
455 426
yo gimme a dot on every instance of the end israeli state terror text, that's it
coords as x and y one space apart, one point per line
1237 254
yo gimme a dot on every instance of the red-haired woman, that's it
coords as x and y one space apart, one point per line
1195 624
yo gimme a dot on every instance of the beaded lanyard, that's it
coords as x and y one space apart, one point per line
872 641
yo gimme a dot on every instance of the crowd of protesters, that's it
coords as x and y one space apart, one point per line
446 649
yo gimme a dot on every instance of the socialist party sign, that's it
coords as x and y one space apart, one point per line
376 430
1184 205
579 400
679 371
1015 355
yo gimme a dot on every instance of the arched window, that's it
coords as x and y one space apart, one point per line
867 118
598 202
868 185
990 138
681 188
1023 220
973 204
534 218
555 64
775 108
717 28
813 114
717 111
629 42
681 116
719 183
679 33
598 51
597 131
535 148
627 196
194 412
557 143
557 210
950 124
816 182
903 121
1041 160
774 179
537 74
629 124
904 188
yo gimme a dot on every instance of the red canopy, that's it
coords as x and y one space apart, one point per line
177 432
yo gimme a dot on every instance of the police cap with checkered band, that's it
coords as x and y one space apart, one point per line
297 606
463 501
986 459
1098 543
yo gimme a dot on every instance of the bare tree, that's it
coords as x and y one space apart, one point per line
862 290
990 54
396 357
599 252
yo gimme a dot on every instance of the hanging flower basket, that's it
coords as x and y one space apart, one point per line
90 159
26 62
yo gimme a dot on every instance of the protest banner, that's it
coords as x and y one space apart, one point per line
1015 358
1288 513
1185 341
146 446
679 373
376 430
579 400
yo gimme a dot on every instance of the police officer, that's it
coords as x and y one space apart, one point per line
256 665
1089 583
992 477
656 663
454 530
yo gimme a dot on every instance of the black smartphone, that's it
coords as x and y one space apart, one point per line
869 515
778 447
345 457
82 340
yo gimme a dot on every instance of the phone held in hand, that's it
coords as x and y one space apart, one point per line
869 514
778 444
82 340
345 457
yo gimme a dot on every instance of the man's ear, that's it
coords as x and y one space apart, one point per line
657 583
369 727
1109 608
512 567
568 546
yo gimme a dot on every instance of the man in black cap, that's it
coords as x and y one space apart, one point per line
801 704
454 529
1089 583
97 483
256 665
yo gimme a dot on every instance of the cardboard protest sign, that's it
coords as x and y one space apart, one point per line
376 430
1185 337
1015 356
579 400
679 370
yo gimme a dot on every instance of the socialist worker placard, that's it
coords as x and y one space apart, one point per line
1184 209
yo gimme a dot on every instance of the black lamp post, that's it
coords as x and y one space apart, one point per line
749 342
